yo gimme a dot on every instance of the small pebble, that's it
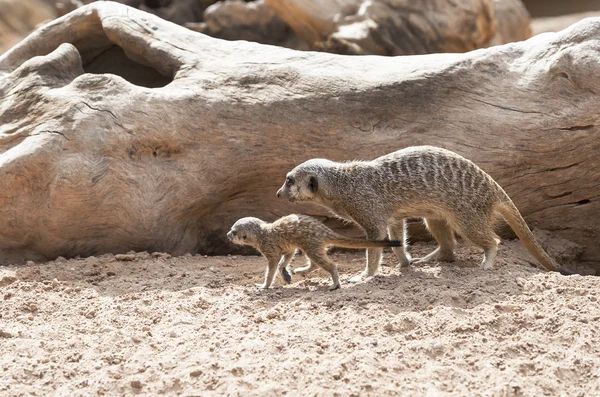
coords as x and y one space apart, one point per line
125 257
136 384
195 373
5 334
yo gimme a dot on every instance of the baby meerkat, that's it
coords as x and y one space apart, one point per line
279 240
450 192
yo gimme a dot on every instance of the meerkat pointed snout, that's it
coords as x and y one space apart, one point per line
279 240
303 184
448 191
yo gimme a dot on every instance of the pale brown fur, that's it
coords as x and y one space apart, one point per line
279 240
450 192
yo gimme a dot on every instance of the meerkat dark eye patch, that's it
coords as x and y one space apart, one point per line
244 236
313 184
290 180
233 232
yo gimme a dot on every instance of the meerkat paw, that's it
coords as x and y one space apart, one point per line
356 279
446 256
488 258
485 265
360 277
437 255
334 287
286 273
262 286
407 260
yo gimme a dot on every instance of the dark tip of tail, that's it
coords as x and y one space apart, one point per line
391 243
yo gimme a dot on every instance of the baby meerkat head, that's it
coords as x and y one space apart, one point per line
245 231
303 182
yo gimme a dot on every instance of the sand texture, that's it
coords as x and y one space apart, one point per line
150 324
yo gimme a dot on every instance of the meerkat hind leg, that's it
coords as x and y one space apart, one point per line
285 268
397 231
483 236
488 257
443 234
309 267
321 259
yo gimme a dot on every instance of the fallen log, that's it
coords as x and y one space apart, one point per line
555 24
121 131
383 27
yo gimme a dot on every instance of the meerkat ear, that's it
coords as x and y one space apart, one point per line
313 184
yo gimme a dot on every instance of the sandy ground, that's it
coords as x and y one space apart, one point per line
196 326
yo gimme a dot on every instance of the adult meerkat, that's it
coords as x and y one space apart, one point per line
279 240
451 193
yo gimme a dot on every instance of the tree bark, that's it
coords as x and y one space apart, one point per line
121 131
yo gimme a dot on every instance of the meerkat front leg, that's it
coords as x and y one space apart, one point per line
374 255
285 268
397 231
269 274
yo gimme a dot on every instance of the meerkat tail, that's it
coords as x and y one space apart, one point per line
360 243
513 217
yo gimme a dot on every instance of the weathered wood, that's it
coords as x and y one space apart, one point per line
382 27
555 24
18 18
91 162
251 21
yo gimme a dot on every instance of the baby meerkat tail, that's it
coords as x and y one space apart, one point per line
346 242
513 217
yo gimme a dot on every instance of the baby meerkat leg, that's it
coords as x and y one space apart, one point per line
443 234
309 267
284 266
269 274
321 259
397 231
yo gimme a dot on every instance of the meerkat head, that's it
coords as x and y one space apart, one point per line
245 231
305 182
